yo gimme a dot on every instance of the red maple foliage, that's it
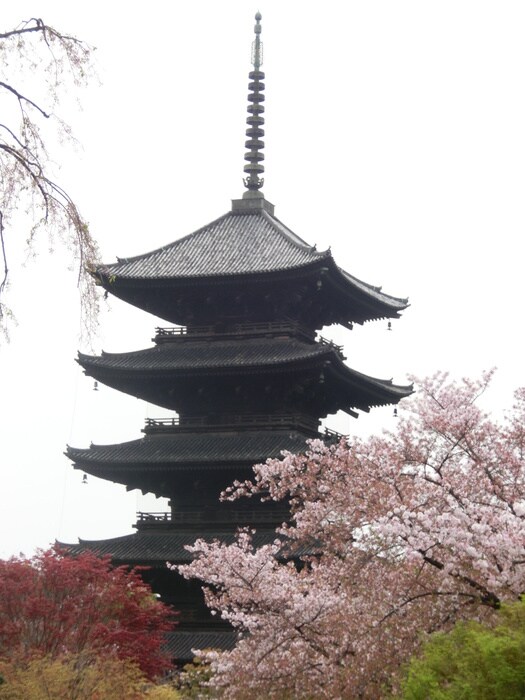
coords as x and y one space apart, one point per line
52 605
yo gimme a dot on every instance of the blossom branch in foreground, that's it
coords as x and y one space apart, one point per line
394 536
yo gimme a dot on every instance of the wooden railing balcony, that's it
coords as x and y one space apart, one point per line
330 343
332 435
229 422
156 517
212 515
235 422
244 330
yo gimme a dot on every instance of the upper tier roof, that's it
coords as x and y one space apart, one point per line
196 355
243 244
233 244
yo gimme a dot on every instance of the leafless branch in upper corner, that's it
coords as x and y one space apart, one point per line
53 61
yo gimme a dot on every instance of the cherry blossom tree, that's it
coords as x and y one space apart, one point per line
389 538
39 66
57 606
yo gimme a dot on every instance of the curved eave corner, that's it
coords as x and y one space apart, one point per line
384 392
87 362
104 548
400 392
388 306
396 391
76 454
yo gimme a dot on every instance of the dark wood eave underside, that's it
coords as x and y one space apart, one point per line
181 368
345 298
349 285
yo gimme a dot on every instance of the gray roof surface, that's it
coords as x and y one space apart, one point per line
179 644
196 355
166 451
235 244
157 547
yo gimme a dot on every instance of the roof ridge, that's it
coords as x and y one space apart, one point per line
293 237
167 246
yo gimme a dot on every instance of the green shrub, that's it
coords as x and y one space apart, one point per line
472 662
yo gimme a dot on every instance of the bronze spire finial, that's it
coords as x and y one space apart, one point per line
255 120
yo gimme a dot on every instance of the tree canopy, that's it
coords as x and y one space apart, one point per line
71 678
54 606
38 65
472 662
390 537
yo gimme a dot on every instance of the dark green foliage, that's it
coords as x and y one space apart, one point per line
472 662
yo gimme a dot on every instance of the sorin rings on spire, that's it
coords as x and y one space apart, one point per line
254 167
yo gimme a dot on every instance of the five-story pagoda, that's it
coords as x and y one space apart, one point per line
243 369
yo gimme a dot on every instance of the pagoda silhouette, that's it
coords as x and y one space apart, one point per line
244 370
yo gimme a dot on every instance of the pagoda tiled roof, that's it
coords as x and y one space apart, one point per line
198 355
180 643
235 244
156 547
167 362
203 450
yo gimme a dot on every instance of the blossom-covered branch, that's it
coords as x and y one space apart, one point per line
389 538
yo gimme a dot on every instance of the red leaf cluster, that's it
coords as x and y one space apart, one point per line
52 605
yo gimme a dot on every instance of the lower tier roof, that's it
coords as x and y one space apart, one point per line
156 463
180 643
188 451
156 547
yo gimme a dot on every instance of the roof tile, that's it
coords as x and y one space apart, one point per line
169 451
255 352
236 244
232 244
181 643
154 548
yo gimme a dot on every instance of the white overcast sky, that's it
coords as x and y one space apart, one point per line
395 134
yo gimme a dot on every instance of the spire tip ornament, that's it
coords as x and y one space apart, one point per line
254 157
253 199
257 43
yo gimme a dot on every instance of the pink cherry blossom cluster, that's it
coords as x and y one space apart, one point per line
389 539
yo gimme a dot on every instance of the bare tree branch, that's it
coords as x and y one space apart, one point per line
24 98
26 178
